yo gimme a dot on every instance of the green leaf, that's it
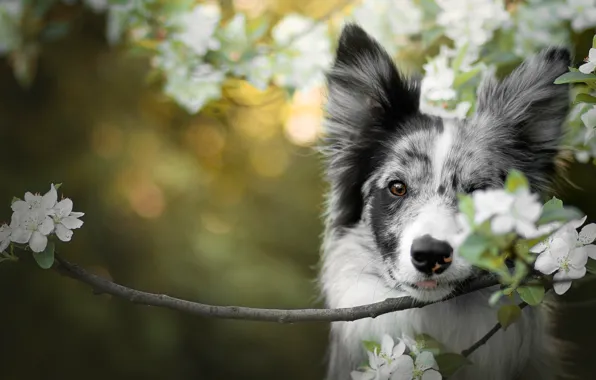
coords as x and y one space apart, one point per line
585 98
45 259
57 186
565 214
516 180
532 295
431 36
257 28
594 42
426 342
466 206
473 247
450 362
553 203
371 346
591 266
508 314
575 77
14 199
464 78
459 58
520 271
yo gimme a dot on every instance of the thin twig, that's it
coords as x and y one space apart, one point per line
102 285
467 352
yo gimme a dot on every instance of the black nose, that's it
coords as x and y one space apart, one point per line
431 255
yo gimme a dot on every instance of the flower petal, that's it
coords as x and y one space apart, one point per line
502 224
71 222
47 226
21 235
575 224
546 264
63 233
562 287
367 375
38 242
588 233
4 244
538 248
20 206
591 251
431 374
404 368
50 198
526 229
63 208
558 248
386 345
399 349
425 361
587 67
578 257
77 214
30 197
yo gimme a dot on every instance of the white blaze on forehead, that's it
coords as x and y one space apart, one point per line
442 146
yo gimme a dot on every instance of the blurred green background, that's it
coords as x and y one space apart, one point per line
224 207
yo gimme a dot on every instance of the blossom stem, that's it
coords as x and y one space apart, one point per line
467 352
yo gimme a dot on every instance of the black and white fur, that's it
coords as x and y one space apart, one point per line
375 134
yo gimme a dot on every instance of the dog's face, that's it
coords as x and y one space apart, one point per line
398 172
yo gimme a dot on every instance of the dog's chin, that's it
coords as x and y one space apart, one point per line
428 293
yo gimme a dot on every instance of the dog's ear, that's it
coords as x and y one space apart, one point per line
526 112
367 100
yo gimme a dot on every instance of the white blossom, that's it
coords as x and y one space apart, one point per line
581 13
491 202
521 216
36 201
538 24
589 120
590 64
193 90
471 21
31 227
5 232
197 28
424 367
389 22
566 252
382 364
65 220
303 52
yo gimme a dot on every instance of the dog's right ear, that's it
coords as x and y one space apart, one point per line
367 100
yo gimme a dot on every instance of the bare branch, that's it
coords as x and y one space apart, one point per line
102 285
485 338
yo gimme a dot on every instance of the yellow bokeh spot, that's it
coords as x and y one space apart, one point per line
146 199
270 161
214 224
206 139
305 116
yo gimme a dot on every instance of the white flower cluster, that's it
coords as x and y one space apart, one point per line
390 22
37 217
391 362
566 252
471 22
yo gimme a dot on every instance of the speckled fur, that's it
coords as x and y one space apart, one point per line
377 134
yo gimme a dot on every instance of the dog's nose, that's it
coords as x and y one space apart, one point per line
431 255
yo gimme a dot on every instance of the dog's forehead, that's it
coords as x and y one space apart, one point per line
445 153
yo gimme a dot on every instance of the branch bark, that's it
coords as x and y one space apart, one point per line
101 285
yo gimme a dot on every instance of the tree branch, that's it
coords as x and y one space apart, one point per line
101 285
485 338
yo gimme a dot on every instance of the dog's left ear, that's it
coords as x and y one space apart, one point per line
527 111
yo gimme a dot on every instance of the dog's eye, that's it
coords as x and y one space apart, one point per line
473 188
397 188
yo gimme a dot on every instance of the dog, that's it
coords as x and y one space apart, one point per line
394 174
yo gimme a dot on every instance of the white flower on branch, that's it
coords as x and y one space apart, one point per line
471 21
590 64
517 212
566 253
589 118
32 227
36 201
581 13
303 52
65 220
198 28
5 232
424 367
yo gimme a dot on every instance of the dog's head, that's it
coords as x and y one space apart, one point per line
397 171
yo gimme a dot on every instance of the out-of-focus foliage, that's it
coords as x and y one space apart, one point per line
197 49
223 205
